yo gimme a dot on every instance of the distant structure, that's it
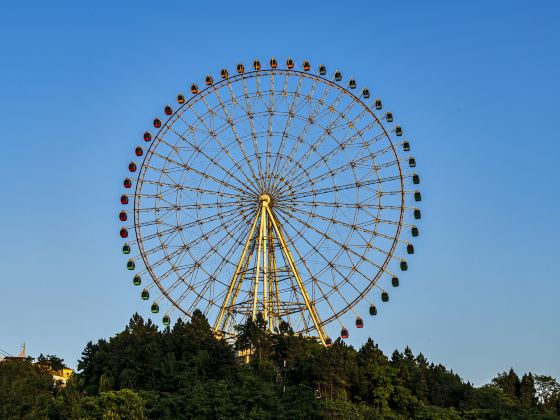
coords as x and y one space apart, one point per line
22 352
7 356
61 375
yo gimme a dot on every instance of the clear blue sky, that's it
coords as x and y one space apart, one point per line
476 86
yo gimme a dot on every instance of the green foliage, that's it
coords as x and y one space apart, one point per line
53 362
185 372
113 405
26 390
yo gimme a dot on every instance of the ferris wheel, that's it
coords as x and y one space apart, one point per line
272 190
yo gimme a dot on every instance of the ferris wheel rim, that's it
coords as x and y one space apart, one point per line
167 125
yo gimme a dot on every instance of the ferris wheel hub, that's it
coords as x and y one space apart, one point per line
264 200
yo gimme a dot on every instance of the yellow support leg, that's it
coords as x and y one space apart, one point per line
298 278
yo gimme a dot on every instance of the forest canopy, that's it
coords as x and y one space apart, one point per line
183 371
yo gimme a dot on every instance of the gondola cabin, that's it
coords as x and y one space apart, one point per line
352 84
209 81
365 93
130 265
147 136
124 199
132 167
389 117
416 179
344 333
385 297
138 151
126 249
412 162
157 123
417 196
395 281
373 310
328 341
154 308
404 266
306 66
127 183
414 231
322 70
417 214
180 98
145 295
406 146
359 323
290 63
194 89
273 63
378 105
257 65
124 233
166 320
168 110
337 76
224 73
123 216
137 281
410 249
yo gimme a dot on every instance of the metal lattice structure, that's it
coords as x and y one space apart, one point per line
276 191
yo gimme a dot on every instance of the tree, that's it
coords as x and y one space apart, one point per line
254 336
124 404
50 361
509 383
527 392
547 391
26 390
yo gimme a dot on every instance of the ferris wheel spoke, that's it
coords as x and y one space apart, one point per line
331 126
343 187
198 172
189 273
155 235
276 168
253 135
345 279
291 109
348 166
233 130
359 228
184 167
186 207
270 108
316 282
247 182
341 147
327 260
297 145
344 247
213 278
301 285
